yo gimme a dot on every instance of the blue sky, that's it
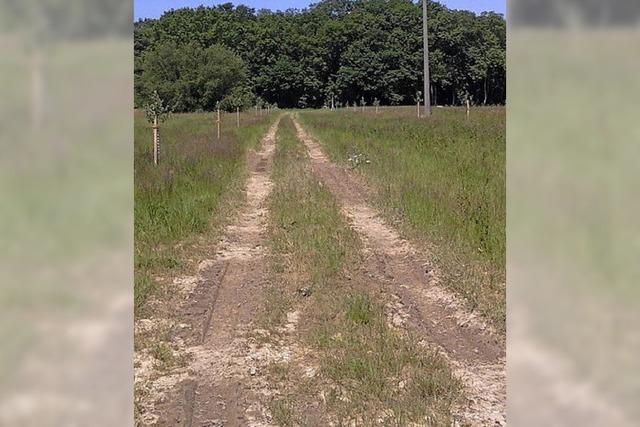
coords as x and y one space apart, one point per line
154 8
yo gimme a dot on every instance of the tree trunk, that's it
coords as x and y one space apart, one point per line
485 91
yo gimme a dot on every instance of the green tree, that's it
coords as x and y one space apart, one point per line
188 76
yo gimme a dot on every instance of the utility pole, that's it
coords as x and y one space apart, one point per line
427 92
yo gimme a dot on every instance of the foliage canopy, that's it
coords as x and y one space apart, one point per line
348 49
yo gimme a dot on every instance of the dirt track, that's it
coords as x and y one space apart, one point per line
218 388
223 384
476 353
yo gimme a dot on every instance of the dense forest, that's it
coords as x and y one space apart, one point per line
347 50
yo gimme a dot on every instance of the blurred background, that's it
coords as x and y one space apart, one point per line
66 213
573 235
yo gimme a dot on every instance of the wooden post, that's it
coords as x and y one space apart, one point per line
376 109
467 108
156 142
418 107
238 116
218 121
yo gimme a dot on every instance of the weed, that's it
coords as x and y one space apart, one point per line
282 412
358 309
163 354
144 286
278 302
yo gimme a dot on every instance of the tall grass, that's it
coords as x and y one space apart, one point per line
184 195
442 178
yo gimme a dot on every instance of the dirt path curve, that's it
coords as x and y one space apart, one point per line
221 386
476 353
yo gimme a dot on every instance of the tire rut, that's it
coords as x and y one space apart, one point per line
475 351
219 386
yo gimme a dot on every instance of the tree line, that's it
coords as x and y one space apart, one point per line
343 51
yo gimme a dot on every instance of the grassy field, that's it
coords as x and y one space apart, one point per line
190 192
442 180
367 371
